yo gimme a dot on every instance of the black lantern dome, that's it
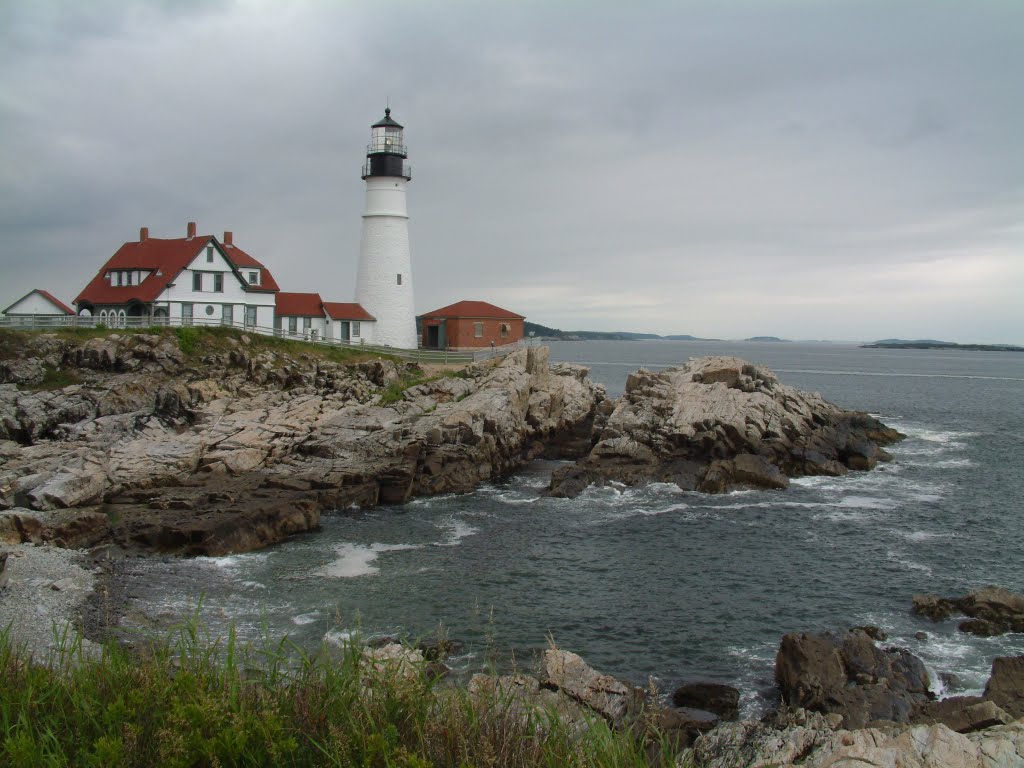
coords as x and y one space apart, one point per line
386 152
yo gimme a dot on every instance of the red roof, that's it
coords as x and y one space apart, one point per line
473 309
299 304
241 259
56 302
346 311
165 259
49 297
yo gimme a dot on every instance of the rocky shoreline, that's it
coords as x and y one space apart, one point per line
143 448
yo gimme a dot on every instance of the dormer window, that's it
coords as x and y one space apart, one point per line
254 278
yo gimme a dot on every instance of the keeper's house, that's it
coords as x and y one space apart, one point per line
470 324
190 280
37 304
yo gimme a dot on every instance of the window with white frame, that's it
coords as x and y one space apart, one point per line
209 254
218 282
186 314
197 281
354 330
254 278
505 330
478 330
293 325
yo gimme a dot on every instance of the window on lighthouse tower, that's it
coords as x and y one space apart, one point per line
399 278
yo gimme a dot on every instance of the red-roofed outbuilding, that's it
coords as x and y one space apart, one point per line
468 324
38 303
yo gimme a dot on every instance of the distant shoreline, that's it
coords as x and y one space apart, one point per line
942 345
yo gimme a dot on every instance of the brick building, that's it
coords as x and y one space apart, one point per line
469 324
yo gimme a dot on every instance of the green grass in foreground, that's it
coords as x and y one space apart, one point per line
198 701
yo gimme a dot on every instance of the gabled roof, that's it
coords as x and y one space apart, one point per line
57 303
337 310
165 259
480 309
299 304
243 260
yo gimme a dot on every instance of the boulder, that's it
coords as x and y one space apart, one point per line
815 745
720 423
994 610
69 489
521 700
963 714
4 575
1005 686
621 704
849 675
722 700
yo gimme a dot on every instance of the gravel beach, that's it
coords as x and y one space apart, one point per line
46 591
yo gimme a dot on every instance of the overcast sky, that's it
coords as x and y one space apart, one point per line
845 170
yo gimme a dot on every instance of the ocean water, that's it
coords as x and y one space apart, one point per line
656 583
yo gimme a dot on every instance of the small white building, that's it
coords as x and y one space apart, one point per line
38 304
194 280
308 316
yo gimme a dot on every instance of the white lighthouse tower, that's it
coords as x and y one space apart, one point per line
384 282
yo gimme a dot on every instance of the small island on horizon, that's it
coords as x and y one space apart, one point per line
536 330
936 344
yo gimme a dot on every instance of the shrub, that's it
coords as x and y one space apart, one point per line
188 339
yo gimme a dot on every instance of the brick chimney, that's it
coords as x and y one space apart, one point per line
191 230
143 234
229 238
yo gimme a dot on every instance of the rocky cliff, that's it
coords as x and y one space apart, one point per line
718 423
125 438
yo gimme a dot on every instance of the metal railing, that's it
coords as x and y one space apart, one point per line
406 171
421 355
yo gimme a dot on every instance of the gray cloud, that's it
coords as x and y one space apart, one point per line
841 169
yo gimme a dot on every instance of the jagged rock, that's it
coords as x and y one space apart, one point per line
963 714
994 610
719 423
393 661
4 574
815 745
722 700
849 675
78 529
875 633
1005 685
621 704
521 700
69 489
155 439
20 526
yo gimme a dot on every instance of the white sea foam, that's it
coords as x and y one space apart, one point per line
457 531
953 464
919 536
253 584
866 502
358 559
896 557
338 637
305 618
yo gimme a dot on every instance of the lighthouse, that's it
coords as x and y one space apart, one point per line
384 281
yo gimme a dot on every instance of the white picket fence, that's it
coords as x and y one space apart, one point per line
430 356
